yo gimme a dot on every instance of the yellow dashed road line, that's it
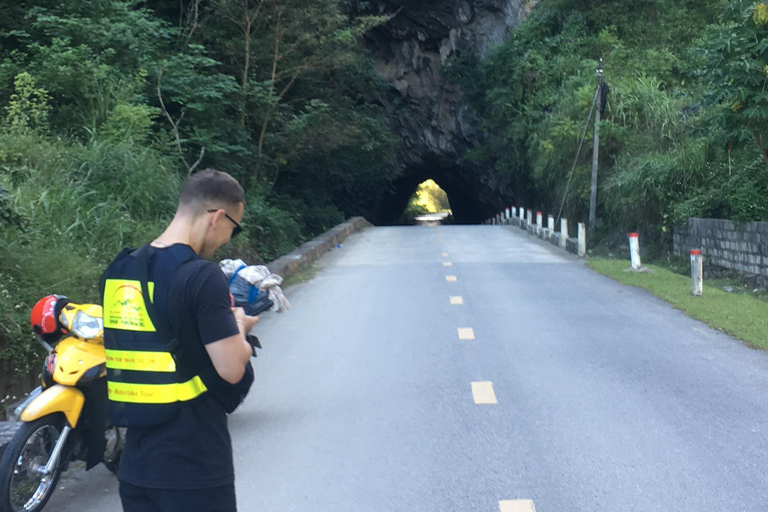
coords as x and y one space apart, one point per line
516 506
450 279
466 333
457 300
483 393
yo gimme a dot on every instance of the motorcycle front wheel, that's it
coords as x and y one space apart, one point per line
24 486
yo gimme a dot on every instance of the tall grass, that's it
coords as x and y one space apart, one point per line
78 205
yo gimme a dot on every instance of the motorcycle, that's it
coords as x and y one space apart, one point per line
65 418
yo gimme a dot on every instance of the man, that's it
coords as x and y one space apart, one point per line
180 361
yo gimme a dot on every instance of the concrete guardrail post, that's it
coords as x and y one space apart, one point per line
563 232
582 239
506 214
634 251
539 220
697 273
530 217
551 224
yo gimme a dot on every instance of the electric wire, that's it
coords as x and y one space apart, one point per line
578 152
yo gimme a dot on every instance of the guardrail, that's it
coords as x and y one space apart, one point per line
524 220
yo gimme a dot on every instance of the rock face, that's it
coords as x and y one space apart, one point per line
430 114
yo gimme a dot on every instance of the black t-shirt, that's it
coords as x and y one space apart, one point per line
193 450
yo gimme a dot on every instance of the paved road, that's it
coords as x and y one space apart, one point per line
602 398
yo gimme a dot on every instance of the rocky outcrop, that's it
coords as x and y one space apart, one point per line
431 115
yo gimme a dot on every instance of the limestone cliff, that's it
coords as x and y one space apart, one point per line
430 114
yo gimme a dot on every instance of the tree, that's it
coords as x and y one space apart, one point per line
736 73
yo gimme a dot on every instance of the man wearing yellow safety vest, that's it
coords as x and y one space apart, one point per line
178 360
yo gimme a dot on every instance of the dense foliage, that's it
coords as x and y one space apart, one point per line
106 106
685 127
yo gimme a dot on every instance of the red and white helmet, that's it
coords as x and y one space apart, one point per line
45 317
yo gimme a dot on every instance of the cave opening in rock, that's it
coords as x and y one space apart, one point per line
470 200
428 203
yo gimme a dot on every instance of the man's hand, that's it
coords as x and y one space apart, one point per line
247 322
230 355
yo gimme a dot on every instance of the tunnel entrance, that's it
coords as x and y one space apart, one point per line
471 200
429 203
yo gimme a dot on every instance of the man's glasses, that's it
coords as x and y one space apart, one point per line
235 230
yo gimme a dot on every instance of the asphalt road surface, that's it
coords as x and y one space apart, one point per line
476 368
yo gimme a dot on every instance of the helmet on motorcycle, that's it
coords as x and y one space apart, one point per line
44 317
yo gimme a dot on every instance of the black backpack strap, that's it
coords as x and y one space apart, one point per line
142 256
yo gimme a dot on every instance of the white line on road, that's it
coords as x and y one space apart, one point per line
457 300
450 279
447 264
466 333
483 393
516 506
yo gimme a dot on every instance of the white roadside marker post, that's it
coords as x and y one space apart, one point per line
539 221
506 214
530 217
697 273
634 251
563 232
551 224
582 239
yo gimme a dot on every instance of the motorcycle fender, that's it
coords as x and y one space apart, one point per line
56 398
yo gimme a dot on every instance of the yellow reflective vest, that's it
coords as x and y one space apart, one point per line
146 380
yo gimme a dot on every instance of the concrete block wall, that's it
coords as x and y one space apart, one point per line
743 248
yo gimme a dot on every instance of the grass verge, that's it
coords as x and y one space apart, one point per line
304 274
741 316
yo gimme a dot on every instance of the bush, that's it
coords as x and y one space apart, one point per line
67 209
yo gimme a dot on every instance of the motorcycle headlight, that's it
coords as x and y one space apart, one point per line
86 326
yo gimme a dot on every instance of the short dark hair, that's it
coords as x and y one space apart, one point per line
209 188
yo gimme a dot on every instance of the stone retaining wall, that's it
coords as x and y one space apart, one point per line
743 248
314 249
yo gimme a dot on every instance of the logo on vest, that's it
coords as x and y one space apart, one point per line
124 306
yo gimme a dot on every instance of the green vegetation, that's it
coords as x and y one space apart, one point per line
684 131
105 108
428 198
742 316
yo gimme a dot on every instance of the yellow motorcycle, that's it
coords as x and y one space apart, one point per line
65 419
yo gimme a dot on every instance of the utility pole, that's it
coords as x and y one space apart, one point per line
596 147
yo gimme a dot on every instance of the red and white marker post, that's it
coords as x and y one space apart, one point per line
697 273
634 251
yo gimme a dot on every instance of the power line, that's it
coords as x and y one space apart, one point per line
578 152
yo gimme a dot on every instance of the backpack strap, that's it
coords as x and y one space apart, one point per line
233 276
253 291
142 257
